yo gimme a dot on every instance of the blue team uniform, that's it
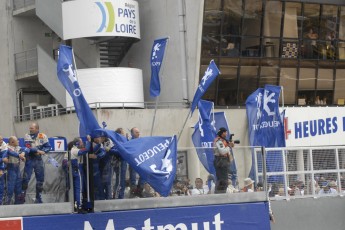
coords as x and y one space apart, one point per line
34 142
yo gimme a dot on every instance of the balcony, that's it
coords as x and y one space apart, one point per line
24 7
26 64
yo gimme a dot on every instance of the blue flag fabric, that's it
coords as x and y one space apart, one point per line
211 73
204 135
266 126
154 158
157 55
67 76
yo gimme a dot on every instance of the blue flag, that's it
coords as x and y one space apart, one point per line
157 55
266 126
67 76
210 74
204 135
154 158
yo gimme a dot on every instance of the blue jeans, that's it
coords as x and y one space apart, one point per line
34 163
14 184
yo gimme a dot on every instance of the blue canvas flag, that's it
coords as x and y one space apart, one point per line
204 135
157 55
211 73
67 76
154 158
266 126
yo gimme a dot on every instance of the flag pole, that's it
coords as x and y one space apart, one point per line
156 104
184 124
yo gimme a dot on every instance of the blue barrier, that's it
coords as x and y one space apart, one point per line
249 216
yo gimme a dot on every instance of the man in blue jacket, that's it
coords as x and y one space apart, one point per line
39 145
13 157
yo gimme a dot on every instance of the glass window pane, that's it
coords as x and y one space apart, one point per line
268 76
328 25
288 78
227 87
212 4
342 24
306 79
339 92
272 20
292 14
271 47
325 79
252 18
248 82
233 10
251 47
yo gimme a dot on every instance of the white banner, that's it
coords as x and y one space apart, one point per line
315 126
100 18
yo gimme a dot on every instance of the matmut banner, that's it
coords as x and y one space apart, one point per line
314 126
249 216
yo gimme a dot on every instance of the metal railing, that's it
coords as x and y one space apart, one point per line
46 111
19 4
26 62
298 172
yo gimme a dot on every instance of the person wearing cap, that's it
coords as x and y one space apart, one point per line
326 188
222 158
248 185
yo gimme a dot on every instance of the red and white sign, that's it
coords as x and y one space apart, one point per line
314 126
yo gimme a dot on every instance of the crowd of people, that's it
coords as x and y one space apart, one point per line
112 177
12 156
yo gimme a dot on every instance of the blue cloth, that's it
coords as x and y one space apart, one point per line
67 76
204 135
211 73
158 170
157 55
266 127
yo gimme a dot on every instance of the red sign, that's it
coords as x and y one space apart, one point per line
11 223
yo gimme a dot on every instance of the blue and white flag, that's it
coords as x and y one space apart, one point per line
154 158
67 76
157 55
204 135
211 73
266 125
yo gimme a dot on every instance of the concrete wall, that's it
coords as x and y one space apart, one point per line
309 213
164 16
168 122
8 95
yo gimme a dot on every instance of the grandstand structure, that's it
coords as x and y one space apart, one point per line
254 42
